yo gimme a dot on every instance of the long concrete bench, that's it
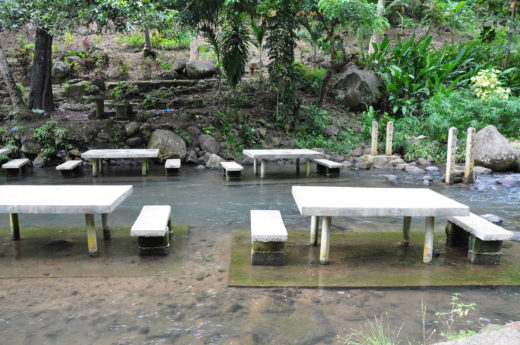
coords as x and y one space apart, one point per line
16 165
327 167
268 237
483 238
172 166
72 166
232 170
153 229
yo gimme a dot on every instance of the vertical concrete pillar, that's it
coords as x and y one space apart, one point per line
262 168
144 167
373 150
325 240
389 137
94 168
106 227
314 230
307 167
428 240
91 234
15 226
100 162
297 166
450 159
470 162
406 231
255 171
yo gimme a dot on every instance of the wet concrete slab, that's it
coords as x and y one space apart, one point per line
369 260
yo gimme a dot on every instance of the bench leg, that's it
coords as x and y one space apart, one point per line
484 252
307 167
255 170
262 168
406 231
94 168
170 229
297 166
428 240
101 166
144 167
91 234
456 236
325 240
332 172
106 227
15 226
314 230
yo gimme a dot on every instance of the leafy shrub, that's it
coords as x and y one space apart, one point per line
51 137
179 40
310 79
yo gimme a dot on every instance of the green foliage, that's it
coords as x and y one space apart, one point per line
376 332
159 40
51 137
310 78
236 130
235 52
458 311
122 91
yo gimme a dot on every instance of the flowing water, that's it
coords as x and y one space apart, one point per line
195 306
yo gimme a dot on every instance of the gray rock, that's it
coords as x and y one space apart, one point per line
76 91
200 167
193 131
493 151
167 75
132 128
208 144
74 58
426 182
40 161
346 164
413 170
133 141
356 89
179 64
424 162
192 157
332 131
432 169
261 132
391 178
212 161
508 181
492 218
478 170
169 144
397 161
60 70
363 165
318 149
199 69
92 90
427 178
338 158
357 152
30 146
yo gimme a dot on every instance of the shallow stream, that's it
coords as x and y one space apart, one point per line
195 306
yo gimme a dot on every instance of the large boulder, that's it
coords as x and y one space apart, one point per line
76 91
356 88
199 69
60 71
169 144
179 64
493 151
208 144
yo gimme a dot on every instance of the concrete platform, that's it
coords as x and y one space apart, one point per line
507 335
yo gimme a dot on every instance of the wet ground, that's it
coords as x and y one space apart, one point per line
195 306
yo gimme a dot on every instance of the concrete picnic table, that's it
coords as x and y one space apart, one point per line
100 155
328 202
4 152
263 155
58 199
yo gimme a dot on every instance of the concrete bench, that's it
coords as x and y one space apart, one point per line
153 229
72 166
482 238
172 165
327 167
232 170
268 237
16 165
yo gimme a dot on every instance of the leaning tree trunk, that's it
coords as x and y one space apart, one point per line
40 96
375 35
330 70
12 89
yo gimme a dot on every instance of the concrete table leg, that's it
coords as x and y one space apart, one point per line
314 230
325 240
144 167
106 227
15 226
91 234
307 167
406 230
297 166
262 168
101 166
428 240
255 170
94 168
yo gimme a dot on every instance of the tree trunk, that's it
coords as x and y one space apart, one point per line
12 89
330 70
40 96
375 35
147 40
510 35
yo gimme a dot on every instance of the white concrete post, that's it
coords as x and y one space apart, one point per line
428 240
470 162
262 168
389 137
94 168
15 226
373 149
314 230
452 150
307 167
91 234
255 171
325 240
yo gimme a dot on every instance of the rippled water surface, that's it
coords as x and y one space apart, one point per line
195 306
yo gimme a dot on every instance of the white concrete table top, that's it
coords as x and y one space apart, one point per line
481 228
120 154
282 154
4 152
355 201
88 199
